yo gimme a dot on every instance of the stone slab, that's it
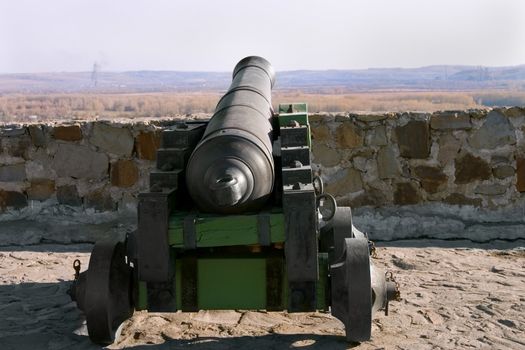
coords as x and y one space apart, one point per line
503 171
470 168
79 161
12 199
38 136
490 189
146 144
100 200
124 173
450 121
348 136
112 139
387 163
13 172
432 178
348 181
377 136
325 155
520 174
12 131
496 131
414 139
406 193
68 195
67 133
460 199
41 189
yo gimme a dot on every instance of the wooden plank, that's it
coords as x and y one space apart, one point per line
229 230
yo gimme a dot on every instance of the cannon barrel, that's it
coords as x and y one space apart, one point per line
232 169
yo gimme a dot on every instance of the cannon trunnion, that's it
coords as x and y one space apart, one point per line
236 219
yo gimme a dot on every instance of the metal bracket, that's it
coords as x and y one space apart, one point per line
263 229
189 232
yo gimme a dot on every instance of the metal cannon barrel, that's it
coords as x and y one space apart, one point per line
232 170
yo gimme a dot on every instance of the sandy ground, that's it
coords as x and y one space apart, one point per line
455 295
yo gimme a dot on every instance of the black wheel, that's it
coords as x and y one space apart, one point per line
108 300
327 206
333 234
318 185
352 290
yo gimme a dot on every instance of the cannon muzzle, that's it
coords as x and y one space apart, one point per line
232 169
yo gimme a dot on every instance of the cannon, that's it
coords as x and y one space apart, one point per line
235 218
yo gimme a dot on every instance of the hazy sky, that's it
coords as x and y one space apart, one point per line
70 35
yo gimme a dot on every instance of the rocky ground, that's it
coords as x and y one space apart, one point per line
455 295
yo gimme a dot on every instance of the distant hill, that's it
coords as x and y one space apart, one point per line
448 78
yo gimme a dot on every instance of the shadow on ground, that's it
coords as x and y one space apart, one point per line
452 243
42 316
39 316
269 341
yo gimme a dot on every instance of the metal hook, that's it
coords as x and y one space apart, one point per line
76 267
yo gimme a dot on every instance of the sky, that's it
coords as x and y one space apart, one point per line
197 35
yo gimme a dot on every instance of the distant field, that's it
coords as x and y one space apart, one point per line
34 107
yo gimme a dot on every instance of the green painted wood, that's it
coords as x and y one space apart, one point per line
301 118
322 282
300 114
142 300
235 283
229 230
228 283
296 107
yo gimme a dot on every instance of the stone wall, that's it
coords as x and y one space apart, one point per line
466 163
462 158
96 166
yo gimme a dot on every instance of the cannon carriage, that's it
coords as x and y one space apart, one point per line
235 218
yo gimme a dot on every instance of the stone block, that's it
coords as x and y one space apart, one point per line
320 133
67 133
325 155
13 172
348 136
520 174
470 168
41 189
319 118
450 121
387 163
432 178
414 139
359 163
112 139
406 193
459 199
146 144
371 197
12 131
490 189
124 173
514 112
503 171
499 159
448 148
38 136
100 200
347 181
495 132
368 118
68 195
78 161
377 136
16 146
12 199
